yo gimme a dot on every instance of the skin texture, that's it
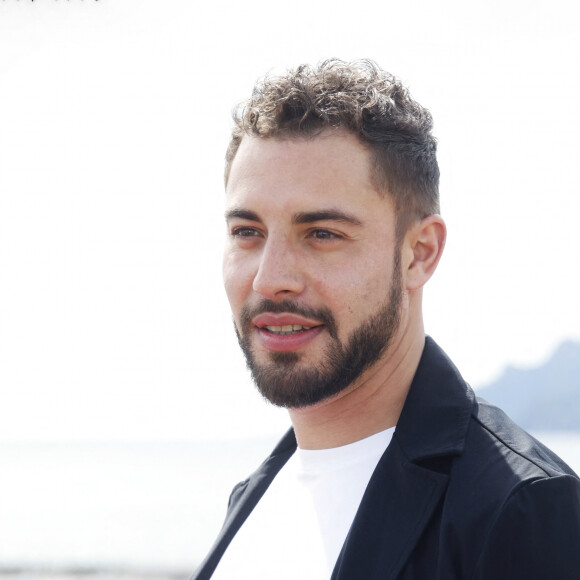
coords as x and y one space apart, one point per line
311 242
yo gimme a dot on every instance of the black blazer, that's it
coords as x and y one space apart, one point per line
460 493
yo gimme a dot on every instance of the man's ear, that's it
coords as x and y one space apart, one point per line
425 241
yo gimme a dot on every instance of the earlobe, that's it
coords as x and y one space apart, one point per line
426 240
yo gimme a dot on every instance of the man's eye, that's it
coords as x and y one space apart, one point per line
324 235
244 232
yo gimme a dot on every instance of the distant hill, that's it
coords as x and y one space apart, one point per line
544 398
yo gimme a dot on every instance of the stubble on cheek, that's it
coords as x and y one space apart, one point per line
280 377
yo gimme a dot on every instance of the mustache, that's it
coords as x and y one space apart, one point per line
323 314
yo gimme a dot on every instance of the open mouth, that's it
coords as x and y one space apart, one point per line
287 329
291 336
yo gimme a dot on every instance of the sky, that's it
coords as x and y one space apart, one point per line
114 119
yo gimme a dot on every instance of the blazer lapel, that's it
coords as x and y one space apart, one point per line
410 480
398 503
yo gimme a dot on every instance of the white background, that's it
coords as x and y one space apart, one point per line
114 118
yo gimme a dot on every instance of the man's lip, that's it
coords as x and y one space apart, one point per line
282 319
287 342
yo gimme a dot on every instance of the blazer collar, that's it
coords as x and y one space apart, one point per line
437 409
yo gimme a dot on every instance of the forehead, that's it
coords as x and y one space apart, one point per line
331 166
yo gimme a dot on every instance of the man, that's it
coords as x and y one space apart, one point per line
393 469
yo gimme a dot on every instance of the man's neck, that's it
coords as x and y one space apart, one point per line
370 405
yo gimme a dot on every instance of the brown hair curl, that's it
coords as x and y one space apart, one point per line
361 98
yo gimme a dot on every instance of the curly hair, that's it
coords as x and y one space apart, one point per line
361 98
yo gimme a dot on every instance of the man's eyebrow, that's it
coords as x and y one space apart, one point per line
244 214
325 215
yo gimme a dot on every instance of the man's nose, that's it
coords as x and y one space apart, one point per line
279 271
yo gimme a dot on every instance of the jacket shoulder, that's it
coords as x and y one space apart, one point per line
508 442
509 499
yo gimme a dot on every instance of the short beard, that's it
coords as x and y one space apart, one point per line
285 384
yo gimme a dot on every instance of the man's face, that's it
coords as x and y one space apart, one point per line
311 266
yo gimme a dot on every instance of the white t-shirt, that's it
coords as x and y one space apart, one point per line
299 526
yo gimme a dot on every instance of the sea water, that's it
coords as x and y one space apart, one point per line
131 505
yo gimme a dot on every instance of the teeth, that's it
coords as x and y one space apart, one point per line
287 328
